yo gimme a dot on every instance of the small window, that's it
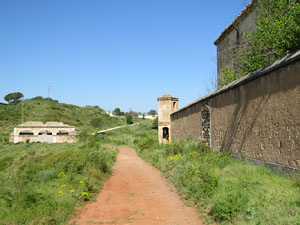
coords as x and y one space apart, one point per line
174 105
164 108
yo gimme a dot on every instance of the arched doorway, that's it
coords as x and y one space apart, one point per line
166 133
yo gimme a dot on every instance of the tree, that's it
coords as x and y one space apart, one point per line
131 112
117 112
13 98
129 119
277 34
152 112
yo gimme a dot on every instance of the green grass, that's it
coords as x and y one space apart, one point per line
42 183
89 118
225 189
130 136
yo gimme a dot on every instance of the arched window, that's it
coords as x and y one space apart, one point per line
26 132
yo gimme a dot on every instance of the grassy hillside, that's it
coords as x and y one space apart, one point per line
43 183
90 118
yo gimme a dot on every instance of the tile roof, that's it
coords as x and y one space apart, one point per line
41 124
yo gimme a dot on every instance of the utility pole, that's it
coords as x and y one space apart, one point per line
22 111
49 89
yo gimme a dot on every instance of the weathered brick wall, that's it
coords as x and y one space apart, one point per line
257 117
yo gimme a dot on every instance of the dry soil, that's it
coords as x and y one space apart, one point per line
136 193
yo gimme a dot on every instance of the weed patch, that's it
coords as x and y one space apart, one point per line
45 188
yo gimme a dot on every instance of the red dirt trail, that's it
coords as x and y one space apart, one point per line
136 193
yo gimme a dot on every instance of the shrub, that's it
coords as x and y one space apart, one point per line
129 119
155 124
174 148
97 123
147 142
83 136
229 205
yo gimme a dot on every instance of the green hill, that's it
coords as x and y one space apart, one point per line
90 118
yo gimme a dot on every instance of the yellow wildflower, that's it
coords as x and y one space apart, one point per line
61 174
84 194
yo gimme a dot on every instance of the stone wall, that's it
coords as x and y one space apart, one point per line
187 123
256 117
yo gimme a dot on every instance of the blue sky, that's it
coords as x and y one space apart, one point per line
111 53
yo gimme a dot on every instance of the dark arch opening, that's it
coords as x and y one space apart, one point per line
45 132
26 132
166 133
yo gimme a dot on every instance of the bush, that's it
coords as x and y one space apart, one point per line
97 123
228 206
155 124
174 148
194 180
129 119
147 142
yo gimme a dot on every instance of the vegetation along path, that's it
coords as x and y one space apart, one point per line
136 193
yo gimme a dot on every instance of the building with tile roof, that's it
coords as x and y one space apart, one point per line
49 132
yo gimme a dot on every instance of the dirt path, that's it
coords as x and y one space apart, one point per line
136 193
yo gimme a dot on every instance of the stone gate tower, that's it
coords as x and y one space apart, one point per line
166 105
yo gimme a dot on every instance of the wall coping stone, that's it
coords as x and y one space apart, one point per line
288 59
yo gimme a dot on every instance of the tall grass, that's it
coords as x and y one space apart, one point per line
42 183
